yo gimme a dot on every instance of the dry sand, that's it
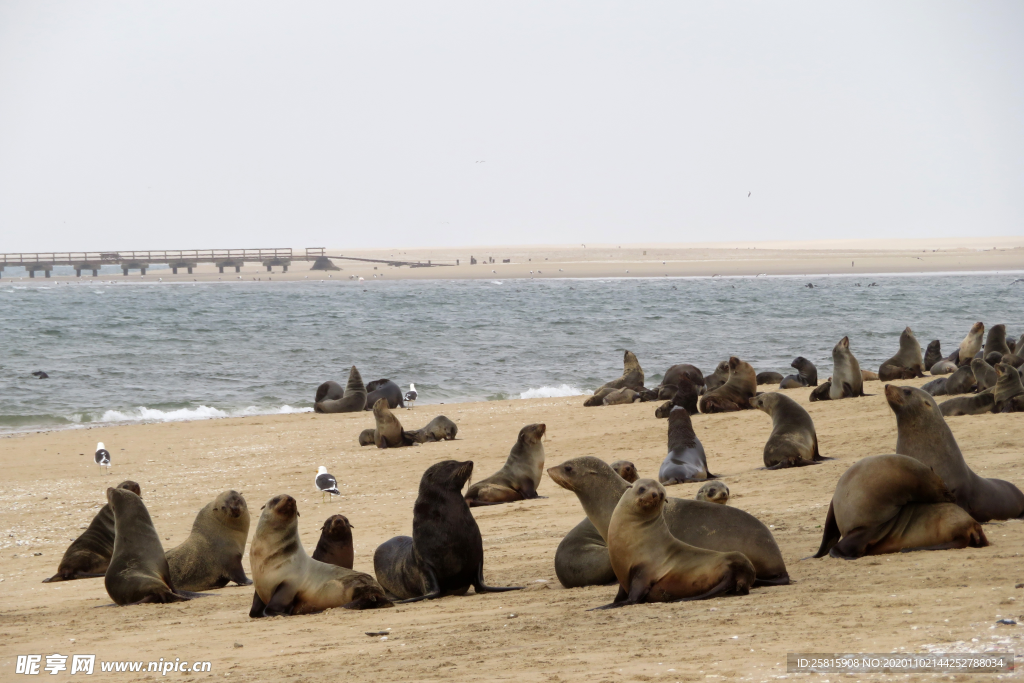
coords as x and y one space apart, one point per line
947 600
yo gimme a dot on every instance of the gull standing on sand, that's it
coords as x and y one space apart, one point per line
410 396
325 483
102 456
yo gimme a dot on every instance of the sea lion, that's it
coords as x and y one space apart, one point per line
667 391
890 503
907 363
943 367
1012 345
769 377
1007 389
1012 359
793 441
971 344
714 492
686 460
652 565
686 395
438 429
288 581
581 558
353 401
138 570
690 372
705 525
335 544
995 342
984 374
663 410
89 554
923 434
937 387
384 388
823 392
598 398
632 375
445 555
388 432
807 375
646 394
621 397
329 391
366 437
868 376
735 393
519 477
211 556
847 379
717 378
994 357
961 381
933 354
973 404
626 470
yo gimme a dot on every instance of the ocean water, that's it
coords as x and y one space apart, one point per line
155 352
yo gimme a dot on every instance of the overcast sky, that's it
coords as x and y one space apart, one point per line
152 125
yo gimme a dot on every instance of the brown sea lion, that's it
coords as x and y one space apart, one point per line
663 410
388 432
353 401
714 492
823 392
793 441
933 354
335 544
995 342
686 460
995 357
1012 359
581 558
769 378
847 379
923 434
961 381
652 565
807 375
891 503
943 367
735 394
690 372
366 437
438 429
138 570
984 374
1007 389
973 404
598 398
632 375
667 391
717 378
89 554
519 477
705 525
907 364
211 556
937 387
288 581
621 397
971 344
626 470
869 376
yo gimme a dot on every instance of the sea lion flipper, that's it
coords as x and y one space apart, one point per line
830 534
237 574
430 583
282 602
481 587
258 606
723 586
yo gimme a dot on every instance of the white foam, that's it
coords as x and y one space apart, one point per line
553 392
144 414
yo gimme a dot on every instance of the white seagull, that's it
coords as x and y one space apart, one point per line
410 396
102 456
326 483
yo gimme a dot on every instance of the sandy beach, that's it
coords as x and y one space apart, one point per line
926 601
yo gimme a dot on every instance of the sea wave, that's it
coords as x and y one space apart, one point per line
553 392
144 414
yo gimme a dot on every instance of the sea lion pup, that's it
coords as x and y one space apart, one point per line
961 381
652 565
984 374
717 378
632 375
847 380
329 391
807 375
646 394
822 392
686 460
735 394
933 354
793 441
211 556
924 435
973 404
89 554
438 429
138 569
907 364
869 376
520 476
937 387
714 492
705 525
663 410
384 388
626 470
366 437
621 397
288 581
995 357
598 398
686 395
890 503
996 340
388 433
971 344
943 367
445 555
335 544
1008 389
353 401
769 378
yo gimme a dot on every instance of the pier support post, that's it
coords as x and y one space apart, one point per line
124 270
31 273
47 273
190 270
95 272
78 272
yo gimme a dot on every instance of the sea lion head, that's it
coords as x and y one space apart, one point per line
578 474
376 384
447 475
122 499
762 402
664 409
626 470
229 509
644 498
714 492
843 346
532 434
366 437
280 512
337 528
630 362
799 363
734 363
667 391
910 402
977 328
130 485
993 357
381 410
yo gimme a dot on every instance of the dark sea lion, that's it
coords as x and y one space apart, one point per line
648 394
717 378
335 544
626 470
288 581
690 372
438 429
89 554
943 367
823 392
984 374
807 375
937 387
353 401
445 555
686 460
793 441
598 398
923 434
138 570
907 363
211 556
847 379
366 437
996 340
1012 345
329 391
735 394
581 558
652 565
621 397
933 354
972 404
632 375
994 357
388 432
1012 359
686 395
384 388
663 410
667 391
714 492
769 377
890 503
961 381
1007 389
519 477
971 344
705 525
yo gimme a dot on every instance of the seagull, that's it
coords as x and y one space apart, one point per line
410 396
748 194
102 456
325 483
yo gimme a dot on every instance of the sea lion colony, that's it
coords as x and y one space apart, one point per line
657 548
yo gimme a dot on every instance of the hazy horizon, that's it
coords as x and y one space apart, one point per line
199 125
